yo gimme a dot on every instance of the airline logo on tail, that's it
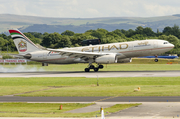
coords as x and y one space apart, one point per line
22 46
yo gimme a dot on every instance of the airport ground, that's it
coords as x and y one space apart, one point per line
135 65
153 83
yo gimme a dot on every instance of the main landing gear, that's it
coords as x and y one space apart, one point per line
96 69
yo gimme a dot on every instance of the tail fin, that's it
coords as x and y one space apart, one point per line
23 44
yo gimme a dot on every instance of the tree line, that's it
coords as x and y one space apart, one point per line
71 39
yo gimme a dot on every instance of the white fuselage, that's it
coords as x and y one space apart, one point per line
122 50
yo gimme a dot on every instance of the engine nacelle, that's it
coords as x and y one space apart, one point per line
39 55
125 60
28 56
107 59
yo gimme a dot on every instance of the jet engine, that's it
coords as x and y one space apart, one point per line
36 55
107 59
27 56
125 60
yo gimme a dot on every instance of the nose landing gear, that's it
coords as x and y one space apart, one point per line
156 59
96 68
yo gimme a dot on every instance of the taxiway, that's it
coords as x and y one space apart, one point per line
89 99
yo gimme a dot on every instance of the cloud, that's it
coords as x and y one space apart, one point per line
92 11
90 8
154 9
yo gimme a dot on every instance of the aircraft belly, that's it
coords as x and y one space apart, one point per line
62 60
160 51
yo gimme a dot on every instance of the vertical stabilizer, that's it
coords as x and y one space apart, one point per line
23 44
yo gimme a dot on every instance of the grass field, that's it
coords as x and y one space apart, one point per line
135 65
52 109
81 67
81 86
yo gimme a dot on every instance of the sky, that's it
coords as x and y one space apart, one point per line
90 8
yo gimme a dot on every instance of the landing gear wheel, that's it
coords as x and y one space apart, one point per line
86 69
96 69
101 67
91 67
156 60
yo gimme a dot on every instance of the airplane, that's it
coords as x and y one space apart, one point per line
121 52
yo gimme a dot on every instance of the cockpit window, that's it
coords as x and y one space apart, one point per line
166 42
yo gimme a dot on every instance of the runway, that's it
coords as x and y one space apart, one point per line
174 73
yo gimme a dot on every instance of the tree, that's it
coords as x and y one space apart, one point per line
112 34
37 35
11 45
172 31
104 31
98 34
130 33
68 33
2 42
176 31
148 32
163 37
124 32
109 39
50 39
32 38
175 41
119 33
63 42
139 30
167 30
138 37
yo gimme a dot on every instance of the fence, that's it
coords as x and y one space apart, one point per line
13 61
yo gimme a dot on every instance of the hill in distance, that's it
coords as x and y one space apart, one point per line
80 25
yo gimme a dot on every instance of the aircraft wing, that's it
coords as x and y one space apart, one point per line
77 54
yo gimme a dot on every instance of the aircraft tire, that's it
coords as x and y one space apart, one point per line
156 60
96 69
101 66
86 69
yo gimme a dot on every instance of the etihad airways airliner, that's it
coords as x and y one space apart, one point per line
99 54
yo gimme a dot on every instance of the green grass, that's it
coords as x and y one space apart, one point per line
9 52
80 86
52 109
136 65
